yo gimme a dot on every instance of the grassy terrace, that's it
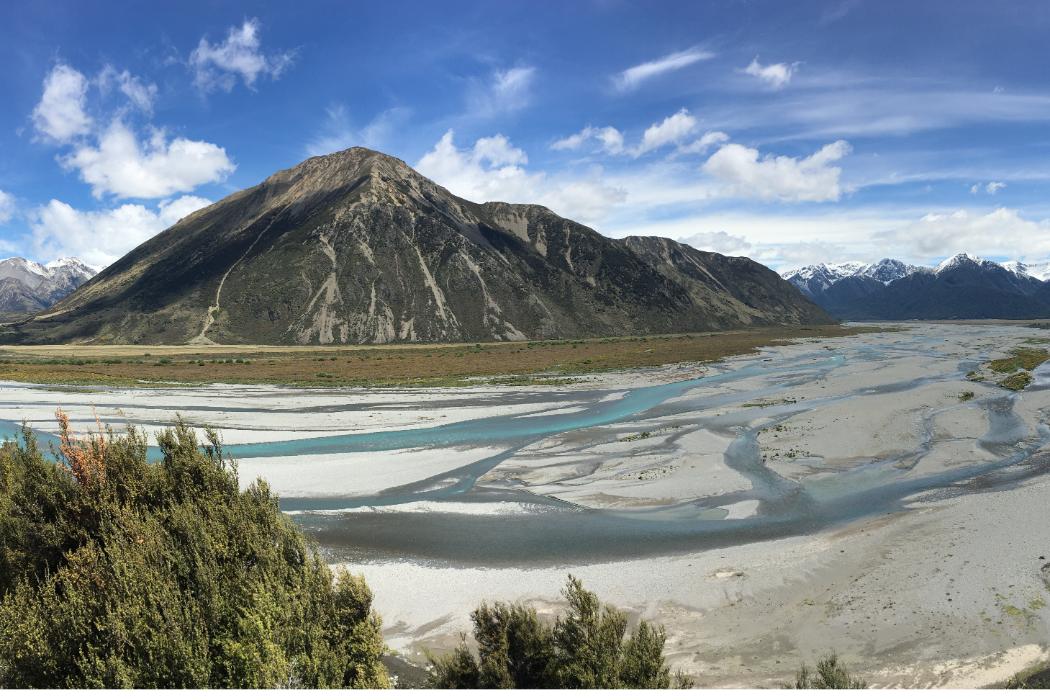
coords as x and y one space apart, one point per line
536 362
1020 359
1017 366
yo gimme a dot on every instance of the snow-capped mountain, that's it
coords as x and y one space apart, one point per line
887 270
814 279
27 286
962 286
1040 271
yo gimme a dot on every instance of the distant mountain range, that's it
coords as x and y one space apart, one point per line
963 286
27 286
357 247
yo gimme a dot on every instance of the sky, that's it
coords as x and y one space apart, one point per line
790 132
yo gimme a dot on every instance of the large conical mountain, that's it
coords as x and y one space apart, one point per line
356 247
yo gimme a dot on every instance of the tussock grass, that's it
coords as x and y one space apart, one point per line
542 362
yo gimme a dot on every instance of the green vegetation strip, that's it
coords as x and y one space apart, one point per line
549 362
1020 358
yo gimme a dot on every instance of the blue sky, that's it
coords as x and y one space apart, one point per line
789 132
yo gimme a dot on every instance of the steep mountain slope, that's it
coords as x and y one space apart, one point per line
963 286
26 286
356 247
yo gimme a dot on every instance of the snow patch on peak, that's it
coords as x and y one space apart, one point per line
1037 270
957 260
74 263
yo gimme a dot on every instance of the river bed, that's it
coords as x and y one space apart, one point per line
765 508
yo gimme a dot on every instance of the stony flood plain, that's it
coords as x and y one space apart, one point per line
878 494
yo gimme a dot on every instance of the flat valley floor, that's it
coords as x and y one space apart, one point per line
853 494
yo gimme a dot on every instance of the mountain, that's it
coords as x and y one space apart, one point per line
1040 271
27 286
356 247
812 280
963 286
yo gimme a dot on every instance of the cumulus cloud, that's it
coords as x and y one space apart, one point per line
493 169
717 241
811 179
775 75
339 133
139 93
609 140
634 76
218 66
999 233
7 207
60 115
674 129
705 143
100 237
504 91
120 165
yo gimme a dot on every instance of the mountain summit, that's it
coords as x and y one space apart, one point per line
27 286
357 247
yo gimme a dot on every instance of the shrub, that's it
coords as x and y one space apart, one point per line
119 572
585 649
829 675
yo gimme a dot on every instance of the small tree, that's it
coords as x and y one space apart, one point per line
829 675
120 572
585 649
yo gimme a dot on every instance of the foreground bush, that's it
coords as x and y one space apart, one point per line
118 572
585 649
829 675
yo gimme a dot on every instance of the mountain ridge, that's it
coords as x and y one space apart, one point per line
357 247
961 286
27 286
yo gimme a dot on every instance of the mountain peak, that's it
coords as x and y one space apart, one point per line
357 247
957 260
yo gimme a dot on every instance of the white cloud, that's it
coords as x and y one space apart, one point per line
610 140
7 207
217 66
122 166
990 187
775 75
60 114
490 170
505 91
673 129
140 94
100 237
636 75
811 179
705 143
339 133
718 241
493 169
999 233
860 105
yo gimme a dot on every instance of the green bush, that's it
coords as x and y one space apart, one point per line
829 675
119 572
585 649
